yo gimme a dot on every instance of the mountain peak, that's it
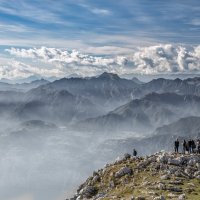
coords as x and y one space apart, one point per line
110 76
42 80
136 80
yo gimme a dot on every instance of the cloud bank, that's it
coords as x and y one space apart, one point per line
155 59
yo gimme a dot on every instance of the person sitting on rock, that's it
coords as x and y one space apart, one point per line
134 152
176 145
184 146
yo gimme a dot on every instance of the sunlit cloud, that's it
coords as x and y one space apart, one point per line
120 37
150 60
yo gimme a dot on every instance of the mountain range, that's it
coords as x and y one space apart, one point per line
22 87
107 90
190 86
146 114
105 102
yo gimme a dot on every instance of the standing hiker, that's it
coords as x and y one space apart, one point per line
134 152
190 146
193 146
184 146
198 146
176 145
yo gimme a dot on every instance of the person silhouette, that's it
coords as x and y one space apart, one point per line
184 146
176 145
134 152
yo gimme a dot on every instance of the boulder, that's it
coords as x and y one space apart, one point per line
159 198
197 173
175 189
198 177
123 171
100 196
161 186
192 162
176 162
162 158
127 156
89 192
181 197
96 178
198 166
165 177
111 184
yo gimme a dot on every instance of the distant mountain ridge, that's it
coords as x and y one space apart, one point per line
51 104
107 101
147 113
136 80
22 87
189 86
183 127
107 90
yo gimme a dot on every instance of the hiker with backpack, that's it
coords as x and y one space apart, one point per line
184 147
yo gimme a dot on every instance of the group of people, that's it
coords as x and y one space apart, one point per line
189 146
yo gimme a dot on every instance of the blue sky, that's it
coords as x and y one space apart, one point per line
97 27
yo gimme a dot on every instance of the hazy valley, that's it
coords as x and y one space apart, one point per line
51 129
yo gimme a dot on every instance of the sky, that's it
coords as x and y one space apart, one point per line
86 37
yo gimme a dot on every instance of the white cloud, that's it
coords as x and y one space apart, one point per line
167 59
58 56
14 28
29 11
15 69
195 22
95 10
100 11
155 59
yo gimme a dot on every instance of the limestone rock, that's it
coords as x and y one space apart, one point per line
123 171
165 177
181 197
176 162
159 198
89 192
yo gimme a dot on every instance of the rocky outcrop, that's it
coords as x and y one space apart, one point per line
157 177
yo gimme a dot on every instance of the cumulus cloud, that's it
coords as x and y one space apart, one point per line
15 69
156 59
167 59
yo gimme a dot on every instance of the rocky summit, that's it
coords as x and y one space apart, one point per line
160 176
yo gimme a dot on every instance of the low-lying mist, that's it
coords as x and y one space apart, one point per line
54 136
42 163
